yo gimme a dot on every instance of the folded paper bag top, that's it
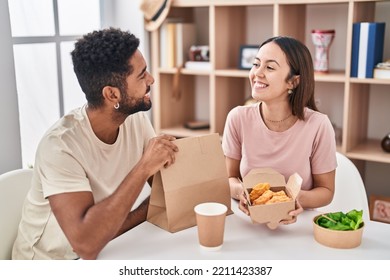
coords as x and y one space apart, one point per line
272 214
198 175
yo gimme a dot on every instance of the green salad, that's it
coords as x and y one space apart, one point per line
339 221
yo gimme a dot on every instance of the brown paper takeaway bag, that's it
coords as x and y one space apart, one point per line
198 175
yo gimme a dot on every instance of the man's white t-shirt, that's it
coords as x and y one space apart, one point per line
70 158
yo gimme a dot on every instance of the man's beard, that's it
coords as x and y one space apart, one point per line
129 106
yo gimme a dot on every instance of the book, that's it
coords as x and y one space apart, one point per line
198 65
163 45
171 44
382 70
168 44
185 38
367 48
176 39
355 50
376 41
363 44
380 73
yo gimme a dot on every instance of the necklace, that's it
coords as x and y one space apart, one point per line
280 121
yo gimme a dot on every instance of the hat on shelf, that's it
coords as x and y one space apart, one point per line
155 12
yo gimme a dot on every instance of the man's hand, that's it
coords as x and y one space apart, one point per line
159 153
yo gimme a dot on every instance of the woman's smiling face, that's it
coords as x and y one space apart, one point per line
269 73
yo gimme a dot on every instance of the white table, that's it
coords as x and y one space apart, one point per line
246 241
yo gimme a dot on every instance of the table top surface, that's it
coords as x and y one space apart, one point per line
244 240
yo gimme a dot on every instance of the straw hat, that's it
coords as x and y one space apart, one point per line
155 12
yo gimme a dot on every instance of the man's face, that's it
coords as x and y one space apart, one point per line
137 95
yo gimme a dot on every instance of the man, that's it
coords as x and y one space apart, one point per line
92 164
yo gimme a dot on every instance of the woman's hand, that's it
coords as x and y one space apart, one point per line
294 214
243 204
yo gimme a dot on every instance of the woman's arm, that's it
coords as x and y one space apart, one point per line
236 192
322 192
233 170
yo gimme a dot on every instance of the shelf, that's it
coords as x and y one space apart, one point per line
184 71
190 3
232 73
370 81
226 25
313 1
332 76
371 151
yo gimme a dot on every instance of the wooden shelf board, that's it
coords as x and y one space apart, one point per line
195 72
311 2
332 76
370 81
184 71
232 73
190 3
371 151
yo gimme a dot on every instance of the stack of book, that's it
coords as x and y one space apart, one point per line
176 38
367 48
382 70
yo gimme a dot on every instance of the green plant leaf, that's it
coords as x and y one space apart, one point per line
339 221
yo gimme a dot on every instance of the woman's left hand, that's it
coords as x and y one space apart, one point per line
243 205
294 214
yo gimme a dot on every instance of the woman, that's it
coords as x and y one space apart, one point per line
284 130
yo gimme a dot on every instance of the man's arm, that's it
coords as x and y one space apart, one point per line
135 217
89 226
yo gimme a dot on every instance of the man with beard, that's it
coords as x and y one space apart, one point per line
92 164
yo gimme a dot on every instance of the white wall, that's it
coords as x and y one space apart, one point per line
126 15
10 151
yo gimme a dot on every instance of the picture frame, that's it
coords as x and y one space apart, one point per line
246 56
380 208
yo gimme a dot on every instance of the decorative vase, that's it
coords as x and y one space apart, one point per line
386 143
322 39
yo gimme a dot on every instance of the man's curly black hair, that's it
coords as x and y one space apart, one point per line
101 58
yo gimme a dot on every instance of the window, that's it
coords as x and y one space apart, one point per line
44 32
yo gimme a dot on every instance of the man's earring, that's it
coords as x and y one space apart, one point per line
290 91
116 106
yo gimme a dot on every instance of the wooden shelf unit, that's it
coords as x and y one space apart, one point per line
227 28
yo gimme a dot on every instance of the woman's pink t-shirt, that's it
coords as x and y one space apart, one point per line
308 147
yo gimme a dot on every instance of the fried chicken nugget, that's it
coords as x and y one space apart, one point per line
280 193
267 195
278 198
258 190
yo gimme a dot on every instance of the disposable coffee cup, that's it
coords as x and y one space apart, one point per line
210 219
